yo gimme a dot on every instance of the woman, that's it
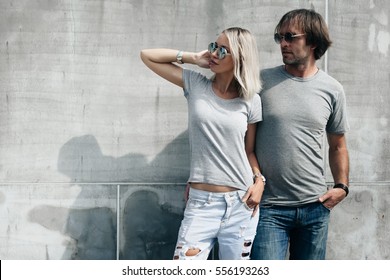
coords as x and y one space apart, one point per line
225 180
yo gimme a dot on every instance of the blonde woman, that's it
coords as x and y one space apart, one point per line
225 180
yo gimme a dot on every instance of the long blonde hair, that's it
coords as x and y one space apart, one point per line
243 48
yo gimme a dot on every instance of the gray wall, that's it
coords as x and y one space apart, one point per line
94 147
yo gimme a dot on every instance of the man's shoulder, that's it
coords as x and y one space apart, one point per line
270 73
330 80
271 76
270 70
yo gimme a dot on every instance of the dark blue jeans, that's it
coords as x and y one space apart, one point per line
304 230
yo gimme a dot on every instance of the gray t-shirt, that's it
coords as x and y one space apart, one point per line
297 113
217 130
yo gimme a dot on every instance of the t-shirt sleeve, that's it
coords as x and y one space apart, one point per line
255 113
186 82
191 79
338 122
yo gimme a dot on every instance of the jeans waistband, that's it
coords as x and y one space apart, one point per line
216 195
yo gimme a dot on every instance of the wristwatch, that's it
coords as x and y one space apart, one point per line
179 57
342 186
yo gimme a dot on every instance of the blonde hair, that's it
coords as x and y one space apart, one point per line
243 48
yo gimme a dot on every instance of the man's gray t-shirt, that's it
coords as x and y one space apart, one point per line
217 129
297 114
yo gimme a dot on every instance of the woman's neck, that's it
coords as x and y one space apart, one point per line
225 87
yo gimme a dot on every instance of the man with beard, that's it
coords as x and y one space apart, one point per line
300 104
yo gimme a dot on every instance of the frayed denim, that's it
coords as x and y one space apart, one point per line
210 217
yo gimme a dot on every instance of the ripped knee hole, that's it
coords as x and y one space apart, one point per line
192 252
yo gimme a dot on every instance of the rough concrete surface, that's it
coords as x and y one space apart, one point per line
94 147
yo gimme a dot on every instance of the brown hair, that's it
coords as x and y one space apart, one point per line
313 25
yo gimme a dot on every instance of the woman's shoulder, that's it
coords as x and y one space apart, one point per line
254 99
194 75
195 81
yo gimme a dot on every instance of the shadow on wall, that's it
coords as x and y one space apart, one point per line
81 159
150 226
91 232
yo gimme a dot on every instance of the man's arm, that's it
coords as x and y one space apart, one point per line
339 166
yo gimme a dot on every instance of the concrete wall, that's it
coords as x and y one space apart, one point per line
94 147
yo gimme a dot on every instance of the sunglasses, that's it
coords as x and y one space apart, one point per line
221 51
288 37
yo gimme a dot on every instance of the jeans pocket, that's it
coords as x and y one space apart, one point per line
247 207
195 203
323 206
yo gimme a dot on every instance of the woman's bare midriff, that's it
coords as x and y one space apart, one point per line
212 188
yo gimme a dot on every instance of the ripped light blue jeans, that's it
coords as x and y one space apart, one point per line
211 217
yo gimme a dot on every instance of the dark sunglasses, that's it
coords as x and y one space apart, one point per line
221 51
288 37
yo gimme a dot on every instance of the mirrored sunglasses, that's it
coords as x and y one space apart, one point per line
221 51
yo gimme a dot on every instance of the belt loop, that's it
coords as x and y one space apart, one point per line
241 194
210 197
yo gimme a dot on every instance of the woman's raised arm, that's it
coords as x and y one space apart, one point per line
161 61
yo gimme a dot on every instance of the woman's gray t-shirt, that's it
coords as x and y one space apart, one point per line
217 129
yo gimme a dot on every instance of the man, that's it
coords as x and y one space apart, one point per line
300 104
